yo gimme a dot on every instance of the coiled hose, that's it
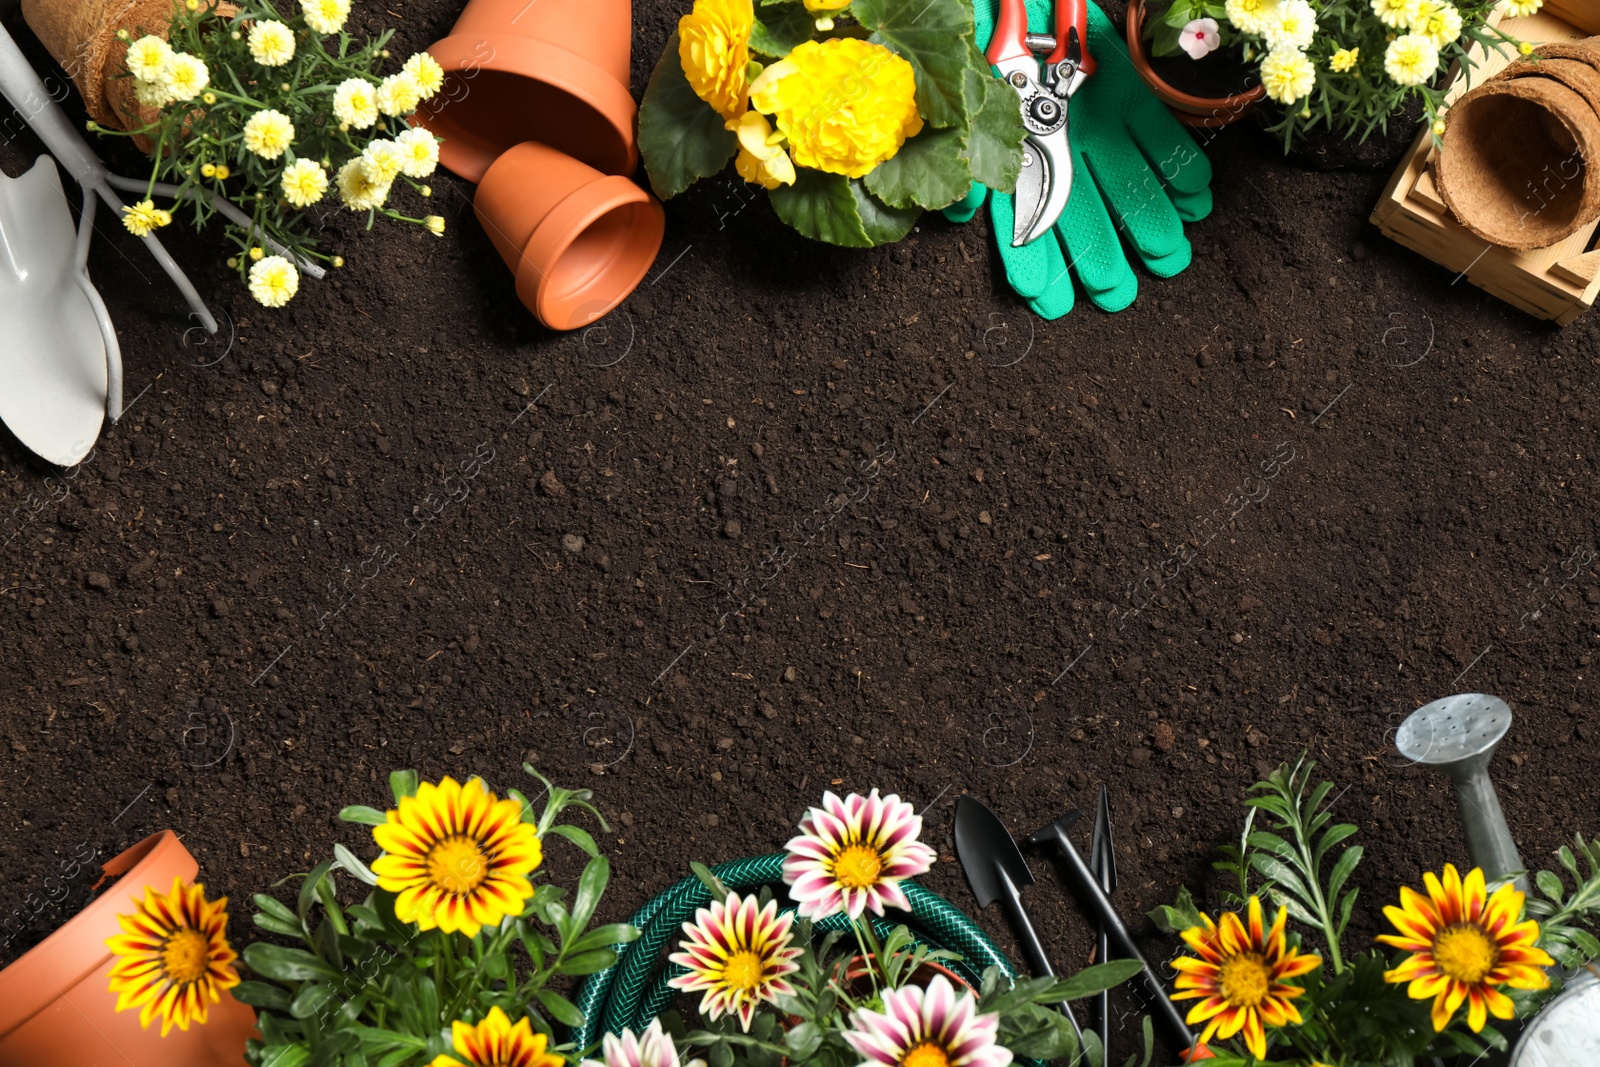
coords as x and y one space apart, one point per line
625 996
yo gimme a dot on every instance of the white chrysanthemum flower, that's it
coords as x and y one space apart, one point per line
326 16
151 94
427 71
383 161
147 58
1250 16
356 188
1292 27
274 281
355 102
1396 14
271 43
1411 59
1287 75
185 76
304 182
1438 21
419 152
268 133
399 95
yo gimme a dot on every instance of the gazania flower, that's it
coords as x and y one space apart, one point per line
273 281
1463 945
357 189
495 1042
419 152
1344 59
852 854
185 76
355 102
143 217
399 94
271 43
147 58
268 133
738 954
1411 59
427 72
173 956
1288 75
1241 976
458 856
326 16
935 1027
304 182
653 1048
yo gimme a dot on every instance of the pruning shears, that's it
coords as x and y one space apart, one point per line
1045 91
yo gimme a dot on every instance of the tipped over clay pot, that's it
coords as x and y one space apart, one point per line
579 241
552 71
1197 112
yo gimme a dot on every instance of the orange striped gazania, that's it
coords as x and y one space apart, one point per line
495 1042
1241 977
1464 943
173 956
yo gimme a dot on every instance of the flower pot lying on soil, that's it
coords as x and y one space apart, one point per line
56 1007
555 71
1190 108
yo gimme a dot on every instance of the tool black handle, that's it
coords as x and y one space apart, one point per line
1105 1005
1038 962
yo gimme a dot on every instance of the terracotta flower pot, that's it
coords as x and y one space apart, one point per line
578 240
1196 111
552 71
56 1007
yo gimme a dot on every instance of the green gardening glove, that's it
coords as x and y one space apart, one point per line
1135 168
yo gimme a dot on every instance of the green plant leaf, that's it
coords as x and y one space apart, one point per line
262 995
803 1041
994 141
1342 870
360 813
352 864
286 964
1178 916
780 28
578 836
1550 886
883 224
273 924
403 784
929 171
822 207
681 137
588 962
560 1008
605 937
922 32
1092 980
313 996
284 1056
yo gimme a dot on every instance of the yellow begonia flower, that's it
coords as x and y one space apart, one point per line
355 102
357 189
1411 59
304 182
274 281
1344 59
143 217
399 94
816 6
1438 21
271 43
419 153
326 16
714 49
843 104
428 73
1396 14
1288 76
268 133
147 58
761 159
185 76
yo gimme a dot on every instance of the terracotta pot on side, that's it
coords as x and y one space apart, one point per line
1194 111
552 71
56 1007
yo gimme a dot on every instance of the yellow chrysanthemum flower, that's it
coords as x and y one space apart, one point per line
714 48
185 76
843 104
355 102
382 161
1344 59
142 218
326 16
495 1042
419 152
1521 8
426 70
435 224
1287 75
1463 944
1291 28
1411 59
762 159
1438 21
268 133
357 189
173 956
458 856
1250 16
304 182
271 43
147 58
274 281
151 94
1396 14
399 94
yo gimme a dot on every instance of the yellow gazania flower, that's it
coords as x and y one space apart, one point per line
304 182
147 58
143 217
1287 75
737 953
271 43
273 280
1463 945
268 133
1438 21
173 956
496 1043
714 49
1411 59
428 73
185 76
762 159
1242 975
326 16
1344 59
399 94
419 152
357 189
1396 14
458 857
844 105
355 102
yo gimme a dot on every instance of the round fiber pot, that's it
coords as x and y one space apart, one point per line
55 1003
579 241
1514 167
1194 111
552 71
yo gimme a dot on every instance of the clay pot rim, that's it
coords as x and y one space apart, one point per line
1205 111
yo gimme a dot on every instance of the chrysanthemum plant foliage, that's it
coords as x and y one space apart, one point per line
1468 950
852 143
394 980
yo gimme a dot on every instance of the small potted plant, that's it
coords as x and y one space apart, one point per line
1193 61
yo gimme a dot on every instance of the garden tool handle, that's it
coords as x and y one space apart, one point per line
1032 949
1072 14
1010 39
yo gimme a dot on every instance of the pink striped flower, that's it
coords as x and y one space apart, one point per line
852 854
935 1027
653 1048
737 954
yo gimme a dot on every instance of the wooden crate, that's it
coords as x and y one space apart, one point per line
1560 282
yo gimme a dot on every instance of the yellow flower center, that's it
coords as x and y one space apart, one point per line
184 956
857 867
745 971
1245 980
926 1054
457 865
1464 952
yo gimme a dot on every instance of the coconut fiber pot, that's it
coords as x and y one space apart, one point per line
56 1008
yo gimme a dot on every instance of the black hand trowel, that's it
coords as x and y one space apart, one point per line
996 871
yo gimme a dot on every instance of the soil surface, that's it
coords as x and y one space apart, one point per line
399 524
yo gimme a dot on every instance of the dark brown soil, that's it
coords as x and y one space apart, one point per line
400 524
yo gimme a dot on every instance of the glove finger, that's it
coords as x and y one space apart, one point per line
1031 268
1136 198
1055 303
1192 207
1093 248
963 209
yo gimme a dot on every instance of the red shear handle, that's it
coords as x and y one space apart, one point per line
1010 39
1072 13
